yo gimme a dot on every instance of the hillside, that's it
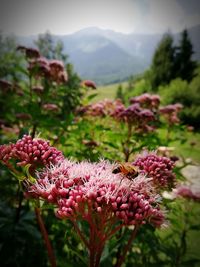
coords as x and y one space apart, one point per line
106 56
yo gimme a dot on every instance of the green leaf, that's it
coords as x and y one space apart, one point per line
30 178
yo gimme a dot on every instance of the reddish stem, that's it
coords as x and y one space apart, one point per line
127 247
45 236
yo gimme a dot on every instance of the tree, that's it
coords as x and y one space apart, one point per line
50 48
184 65
162 64
119 93
9 58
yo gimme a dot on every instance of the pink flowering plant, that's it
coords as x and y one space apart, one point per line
92 193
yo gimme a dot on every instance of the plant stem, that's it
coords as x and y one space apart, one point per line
20 199
45 236
80 234
121 259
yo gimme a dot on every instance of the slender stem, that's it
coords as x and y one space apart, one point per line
98 256
20 199
80 234
34 130
45 236
127 247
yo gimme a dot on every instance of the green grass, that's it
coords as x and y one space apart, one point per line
107 91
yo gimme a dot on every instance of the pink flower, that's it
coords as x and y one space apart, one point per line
50 107
36 152
170 113
138 117
103 108
57 71
84 189
39 67
89 83
188 192
29 52
23 116
38 89
157 167
147 101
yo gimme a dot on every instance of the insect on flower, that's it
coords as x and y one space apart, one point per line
126 168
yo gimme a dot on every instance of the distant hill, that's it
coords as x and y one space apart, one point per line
106 56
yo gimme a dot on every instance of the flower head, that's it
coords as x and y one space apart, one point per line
29 52
170 113
147 101
158 167
27 150
188 192
89 83
83 189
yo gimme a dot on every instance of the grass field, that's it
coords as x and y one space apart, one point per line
107 91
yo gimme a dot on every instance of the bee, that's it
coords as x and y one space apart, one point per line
126 168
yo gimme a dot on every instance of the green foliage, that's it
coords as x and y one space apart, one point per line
162 63
184 66
171 62
187 94
9 59
119 93
49 48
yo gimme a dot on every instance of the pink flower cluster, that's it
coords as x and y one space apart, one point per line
81 190
187 192
141 118
39 66
102 108
50 107
51 69
89 83
160 169
36 152
147 101
29 52
170 113
137 116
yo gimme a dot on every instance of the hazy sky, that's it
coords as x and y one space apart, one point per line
26 17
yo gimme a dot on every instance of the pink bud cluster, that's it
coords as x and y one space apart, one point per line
137 116
89 83
83 190
51 69
38 89
187 192
160 169
42 67
170 113
36 152
102 108
50 107
29 52
147 101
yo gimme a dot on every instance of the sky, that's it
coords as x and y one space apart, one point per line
30 17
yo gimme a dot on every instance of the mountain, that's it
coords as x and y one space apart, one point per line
107 56
98 58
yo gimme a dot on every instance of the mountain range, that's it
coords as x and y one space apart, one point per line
106 56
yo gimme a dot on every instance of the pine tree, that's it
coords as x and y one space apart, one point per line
184 65
119 93
163 62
